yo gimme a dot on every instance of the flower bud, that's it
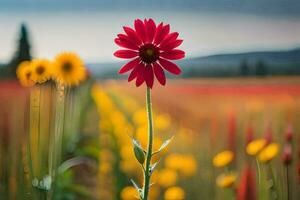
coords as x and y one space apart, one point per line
268 134
289 134
287 154
249 134
299 172
139 153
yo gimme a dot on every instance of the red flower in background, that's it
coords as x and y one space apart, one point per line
246 189
150 47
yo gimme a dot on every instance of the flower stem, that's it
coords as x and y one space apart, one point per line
149 149
260 190
273 189
287 182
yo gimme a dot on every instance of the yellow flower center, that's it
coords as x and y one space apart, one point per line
67 67
28 74
40 70
149 53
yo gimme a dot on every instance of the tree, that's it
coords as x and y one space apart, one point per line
244 68
22 53
261 68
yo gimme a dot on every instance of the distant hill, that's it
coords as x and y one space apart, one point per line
260 63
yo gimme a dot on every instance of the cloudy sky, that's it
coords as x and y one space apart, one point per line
207 26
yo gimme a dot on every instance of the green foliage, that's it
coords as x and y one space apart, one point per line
138 151
22 53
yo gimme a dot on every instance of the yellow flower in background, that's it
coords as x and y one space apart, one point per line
255 146
69 69
223 158
226 180
174 193
105 167
162 122
140 117
268 153
167 177
41 70
129 193
24 74
189 166
185 164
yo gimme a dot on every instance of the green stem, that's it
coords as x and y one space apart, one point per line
258 172
287 182
150 141
274 192
260 190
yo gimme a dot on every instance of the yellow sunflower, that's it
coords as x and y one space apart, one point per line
24 74
41 70
129 193
69 69
255 146
226 180
223 158
174 193
268 153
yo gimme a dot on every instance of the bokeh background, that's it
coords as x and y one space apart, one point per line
240 82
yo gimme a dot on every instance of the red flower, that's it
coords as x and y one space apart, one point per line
150 47
246 189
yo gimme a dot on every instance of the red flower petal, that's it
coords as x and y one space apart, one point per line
169 66
126 54
126 43
150 29
130 65
169 38
136 71
174 54
161 33
171 45
140 78
149 76
159 73
140 29
132 35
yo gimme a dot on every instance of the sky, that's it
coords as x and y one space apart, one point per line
207 27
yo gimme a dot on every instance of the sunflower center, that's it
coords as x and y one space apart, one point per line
40 70
67 67
149 53
28 74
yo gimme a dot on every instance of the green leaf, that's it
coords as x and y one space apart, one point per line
164 145
139 190
138 151
153 167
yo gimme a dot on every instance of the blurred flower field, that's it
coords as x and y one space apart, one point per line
229 140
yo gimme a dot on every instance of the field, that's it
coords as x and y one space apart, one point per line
203 116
